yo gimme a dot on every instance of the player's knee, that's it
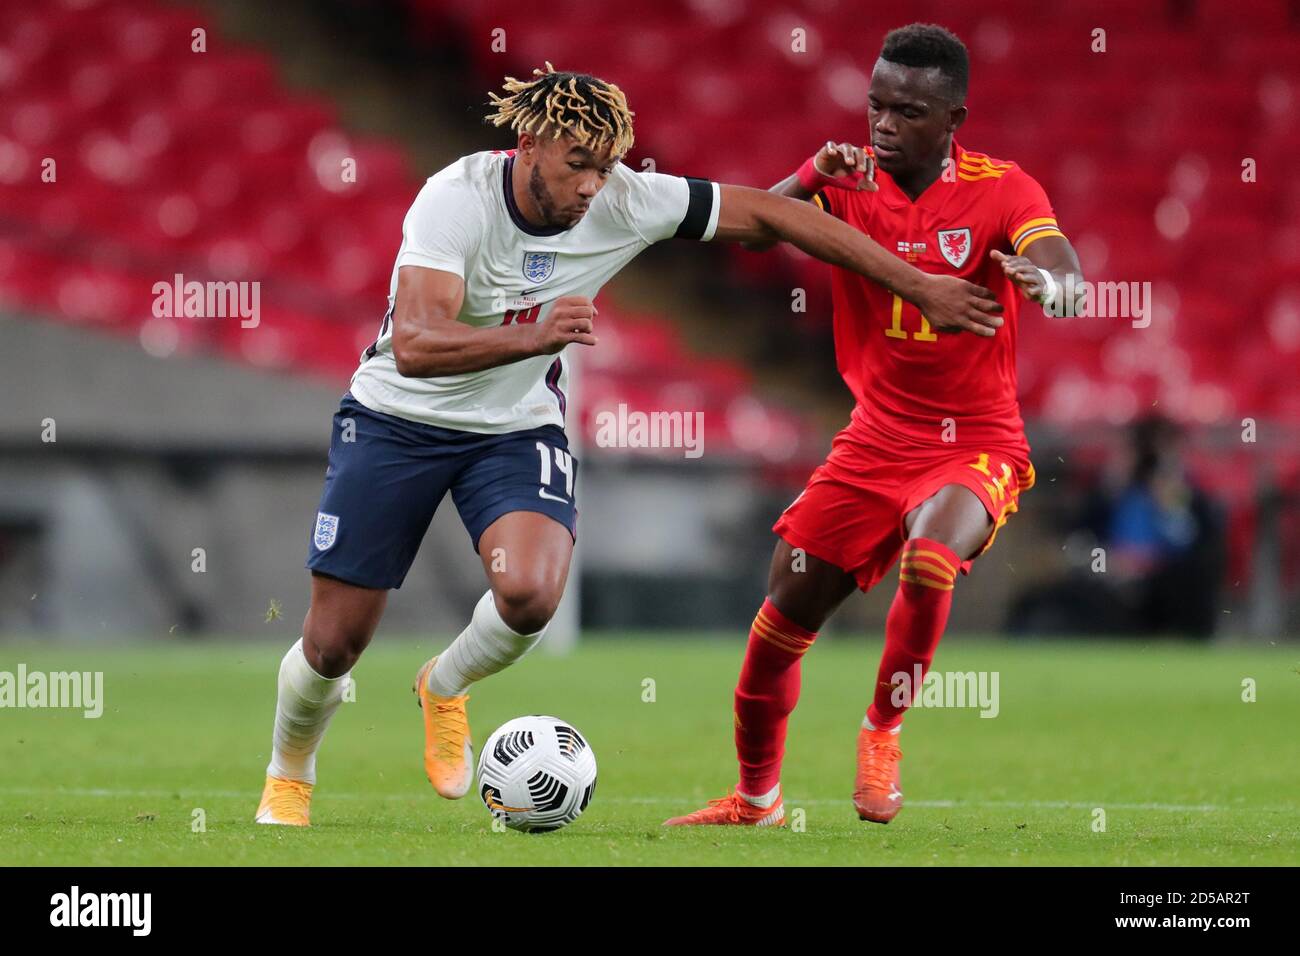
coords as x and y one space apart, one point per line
526 604
332 649
954 518
806 602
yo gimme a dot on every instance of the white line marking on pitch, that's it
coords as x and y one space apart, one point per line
671 801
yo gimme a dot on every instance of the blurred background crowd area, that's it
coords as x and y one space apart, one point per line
208 140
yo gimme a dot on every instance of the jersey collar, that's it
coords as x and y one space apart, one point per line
894 196
515 215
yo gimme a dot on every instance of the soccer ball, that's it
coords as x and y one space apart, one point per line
536 774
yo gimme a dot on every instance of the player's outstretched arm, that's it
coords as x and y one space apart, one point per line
949 303
428 341
835 165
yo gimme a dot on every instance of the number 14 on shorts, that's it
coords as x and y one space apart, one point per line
563 464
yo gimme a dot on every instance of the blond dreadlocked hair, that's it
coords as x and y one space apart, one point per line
593 111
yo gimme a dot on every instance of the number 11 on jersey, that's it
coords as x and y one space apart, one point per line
896 330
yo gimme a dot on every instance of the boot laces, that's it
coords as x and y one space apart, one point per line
449 720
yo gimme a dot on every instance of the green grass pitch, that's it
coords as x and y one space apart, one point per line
1155 734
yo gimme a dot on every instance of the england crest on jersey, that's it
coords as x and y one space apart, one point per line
327 529
538 266
954 244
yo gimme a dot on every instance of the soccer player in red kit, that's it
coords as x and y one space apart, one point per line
934 458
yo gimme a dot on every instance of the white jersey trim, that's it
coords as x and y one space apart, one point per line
712 227
463 222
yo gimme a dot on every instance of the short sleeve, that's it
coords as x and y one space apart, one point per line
442 228
828 200
661 207
1027 215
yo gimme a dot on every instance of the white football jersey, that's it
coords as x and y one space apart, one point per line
465 221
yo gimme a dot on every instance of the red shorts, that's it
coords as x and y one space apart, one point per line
852 511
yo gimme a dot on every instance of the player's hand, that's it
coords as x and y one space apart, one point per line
1023 273
955 305
570 320
849 166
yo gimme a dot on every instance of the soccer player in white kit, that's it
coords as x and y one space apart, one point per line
464 390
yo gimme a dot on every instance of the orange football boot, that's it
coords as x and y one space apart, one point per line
448 750
876 795
285 802
733 810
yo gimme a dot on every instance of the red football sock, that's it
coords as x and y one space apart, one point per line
915 623
765 696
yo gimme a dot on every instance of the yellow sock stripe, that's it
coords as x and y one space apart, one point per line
926 575
775 628
929 584
773 635
924 564
785 645
764 627
923 553
931 559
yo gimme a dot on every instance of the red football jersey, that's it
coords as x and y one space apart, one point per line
915 386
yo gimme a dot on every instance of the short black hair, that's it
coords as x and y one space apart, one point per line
927 45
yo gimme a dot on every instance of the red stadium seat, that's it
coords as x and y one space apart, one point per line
162 163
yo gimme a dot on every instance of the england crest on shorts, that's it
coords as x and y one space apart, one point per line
327 529
954 244
538 266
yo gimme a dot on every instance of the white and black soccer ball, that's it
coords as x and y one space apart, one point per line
536 774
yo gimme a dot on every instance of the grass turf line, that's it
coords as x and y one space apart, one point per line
1156 734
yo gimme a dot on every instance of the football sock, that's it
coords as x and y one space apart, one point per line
868 725
763 802
915 623
765 695
488 645
303 708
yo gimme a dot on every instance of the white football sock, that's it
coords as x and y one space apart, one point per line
488 645
766 800
868 725
303 709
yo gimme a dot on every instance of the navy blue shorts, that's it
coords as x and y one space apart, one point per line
383 486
